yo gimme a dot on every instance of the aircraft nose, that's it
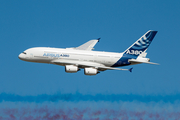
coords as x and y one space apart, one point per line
20 56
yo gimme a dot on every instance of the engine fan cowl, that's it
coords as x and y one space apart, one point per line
90 71
71 69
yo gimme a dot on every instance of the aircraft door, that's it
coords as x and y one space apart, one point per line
31 56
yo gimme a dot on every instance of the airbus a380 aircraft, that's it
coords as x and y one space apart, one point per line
92 62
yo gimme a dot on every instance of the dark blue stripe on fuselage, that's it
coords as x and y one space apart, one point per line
123 61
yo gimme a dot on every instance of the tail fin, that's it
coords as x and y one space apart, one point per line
141 44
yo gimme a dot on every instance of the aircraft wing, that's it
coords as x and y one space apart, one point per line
84 64
88 45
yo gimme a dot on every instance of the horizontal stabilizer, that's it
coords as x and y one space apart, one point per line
139 61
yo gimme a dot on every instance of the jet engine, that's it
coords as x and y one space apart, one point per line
71 69
90 71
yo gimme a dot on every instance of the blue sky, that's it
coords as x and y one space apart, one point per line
61 24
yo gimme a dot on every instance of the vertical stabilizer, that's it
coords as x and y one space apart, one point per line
141 44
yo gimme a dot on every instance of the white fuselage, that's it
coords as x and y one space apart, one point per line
47 55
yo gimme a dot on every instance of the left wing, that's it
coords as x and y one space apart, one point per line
88 45
83 64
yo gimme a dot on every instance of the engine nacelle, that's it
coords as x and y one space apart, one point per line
71 69
90 71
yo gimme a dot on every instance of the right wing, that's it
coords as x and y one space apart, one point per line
84 64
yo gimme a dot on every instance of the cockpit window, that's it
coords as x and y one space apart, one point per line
24 52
